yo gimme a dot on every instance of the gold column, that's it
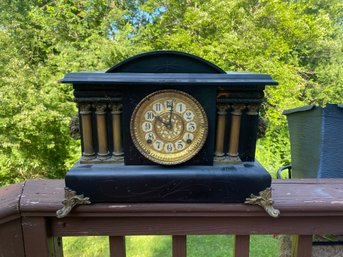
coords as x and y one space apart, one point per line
101 130
221 117
87 138
117 133
235 130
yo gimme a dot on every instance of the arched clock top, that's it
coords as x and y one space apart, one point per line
166 62
172 68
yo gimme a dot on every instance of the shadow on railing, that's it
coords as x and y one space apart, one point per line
29 227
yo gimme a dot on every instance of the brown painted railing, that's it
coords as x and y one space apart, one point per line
29 227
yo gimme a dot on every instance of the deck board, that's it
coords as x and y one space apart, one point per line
291 197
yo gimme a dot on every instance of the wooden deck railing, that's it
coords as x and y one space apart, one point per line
29 227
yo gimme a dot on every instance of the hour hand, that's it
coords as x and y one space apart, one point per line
158 118
167 124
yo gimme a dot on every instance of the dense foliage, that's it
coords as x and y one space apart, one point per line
298 42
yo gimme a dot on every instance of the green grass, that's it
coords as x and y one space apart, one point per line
160 246
90 246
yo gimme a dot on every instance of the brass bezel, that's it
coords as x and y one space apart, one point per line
170 158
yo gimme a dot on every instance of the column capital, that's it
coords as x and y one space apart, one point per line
253 109
85 108
100 108
237 109
222 108
116 108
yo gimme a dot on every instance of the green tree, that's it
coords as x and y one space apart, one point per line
298 42
40 42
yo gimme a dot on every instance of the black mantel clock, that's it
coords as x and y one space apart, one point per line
168 127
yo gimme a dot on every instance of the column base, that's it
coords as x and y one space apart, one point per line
227 160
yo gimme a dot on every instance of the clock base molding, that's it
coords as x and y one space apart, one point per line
118 183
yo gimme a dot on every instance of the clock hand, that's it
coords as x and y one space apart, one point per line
158 118
171 113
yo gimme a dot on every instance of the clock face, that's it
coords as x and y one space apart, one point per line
169 127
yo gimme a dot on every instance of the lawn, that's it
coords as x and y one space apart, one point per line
160 246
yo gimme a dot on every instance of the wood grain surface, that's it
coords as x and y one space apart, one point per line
28 218
9 202
305 197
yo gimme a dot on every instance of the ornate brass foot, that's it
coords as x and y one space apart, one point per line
71 199
264 199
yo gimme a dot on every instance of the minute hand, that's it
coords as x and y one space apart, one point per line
171 113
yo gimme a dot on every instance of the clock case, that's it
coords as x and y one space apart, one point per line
131 178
